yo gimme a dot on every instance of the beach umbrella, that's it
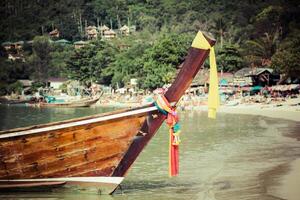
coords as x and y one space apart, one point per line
223 82
256 88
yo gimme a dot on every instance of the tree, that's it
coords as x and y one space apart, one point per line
259 51
161 60
87 64
229 58
59 55
127 65
40 59
219 27
286 59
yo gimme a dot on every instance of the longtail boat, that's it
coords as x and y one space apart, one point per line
71 104
94 151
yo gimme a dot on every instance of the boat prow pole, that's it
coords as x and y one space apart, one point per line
189 70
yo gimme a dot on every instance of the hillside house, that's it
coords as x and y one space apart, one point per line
56 83
91 32
19 45
80 44
54 33
7 45
255 76
109 34
102 29
124 30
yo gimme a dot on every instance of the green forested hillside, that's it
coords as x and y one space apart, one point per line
249 33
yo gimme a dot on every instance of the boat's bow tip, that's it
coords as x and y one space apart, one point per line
203 40
209 37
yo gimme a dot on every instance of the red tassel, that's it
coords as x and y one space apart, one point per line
174 157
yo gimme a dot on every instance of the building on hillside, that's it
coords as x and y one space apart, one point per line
25 82
91 32
202 78
225 79
54 33
15 57
102 29
80 44
56 83
109 34
7 45
255 76
132 29
262 76
243 77
19 45
30 42
124 30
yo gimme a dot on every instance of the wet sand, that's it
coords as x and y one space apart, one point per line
281 182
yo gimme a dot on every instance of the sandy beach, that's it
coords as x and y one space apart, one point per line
283 181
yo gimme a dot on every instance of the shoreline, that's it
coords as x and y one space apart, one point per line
281 182
282 112
288 110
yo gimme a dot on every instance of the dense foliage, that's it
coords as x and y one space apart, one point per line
256 33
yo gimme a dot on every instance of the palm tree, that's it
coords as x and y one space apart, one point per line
219 28
262 49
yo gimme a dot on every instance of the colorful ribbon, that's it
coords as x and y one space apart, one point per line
201 42
172 120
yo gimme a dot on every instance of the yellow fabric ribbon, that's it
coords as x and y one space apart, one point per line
200 42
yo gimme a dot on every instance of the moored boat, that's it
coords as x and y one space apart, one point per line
94 151
86 102
72 104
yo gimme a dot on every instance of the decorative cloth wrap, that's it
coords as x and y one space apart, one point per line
172 120
201 42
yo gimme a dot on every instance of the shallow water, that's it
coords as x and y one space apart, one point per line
227 158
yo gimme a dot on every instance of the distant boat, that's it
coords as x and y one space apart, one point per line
95 151
72 104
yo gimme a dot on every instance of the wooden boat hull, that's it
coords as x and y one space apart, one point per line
85 149
89 148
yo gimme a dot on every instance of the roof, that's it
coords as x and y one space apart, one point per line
25 82
261 70
247 71
90 27
124 28
20 42
92 31
80 42
63 41
203 77
103 28
6 44
55 31
54 79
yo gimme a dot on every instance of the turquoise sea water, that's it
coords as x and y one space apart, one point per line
226 158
